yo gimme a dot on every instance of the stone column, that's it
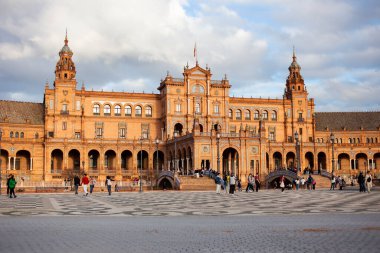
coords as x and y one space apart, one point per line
31 163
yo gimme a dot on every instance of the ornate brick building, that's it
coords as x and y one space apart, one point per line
188 125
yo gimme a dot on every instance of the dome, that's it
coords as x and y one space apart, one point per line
66 49
295 65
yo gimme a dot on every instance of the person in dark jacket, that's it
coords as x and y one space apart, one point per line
361 182
76 184
8 178
12 185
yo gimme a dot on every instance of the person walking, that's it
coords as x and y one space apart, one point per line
368 182
85 182
76 184
232 184
282 183
218 182
297 182
332 186
302 181
361 182
257 182
8 178
109 184
249 185
92 184
12 185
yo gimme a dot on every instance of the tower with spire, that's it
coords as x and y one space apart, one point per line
65 67
294 83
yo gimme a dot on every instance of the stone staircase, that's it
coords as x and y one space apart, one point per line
190 183
322 182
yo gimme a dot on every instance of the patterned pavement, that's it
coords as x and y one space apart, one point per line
169 203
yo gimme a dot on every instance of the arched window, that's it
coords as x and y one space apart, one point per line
128 110
22 135
138 111
117 110
216 109
265 115
96 109
148 111
238 114
16 135
349 140
358 140
274 115
230 113
367 140
247 115
11 134
256 115
107 110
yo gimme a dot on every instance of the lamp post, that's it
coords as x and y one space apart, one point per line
157 141
1 175
217 151
332 139
175 156
296 137
83 166
141 163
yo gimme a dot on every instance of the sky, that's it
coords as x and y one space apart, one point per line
130 45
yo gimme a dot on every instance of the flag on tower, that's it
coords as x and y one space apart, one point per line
195 54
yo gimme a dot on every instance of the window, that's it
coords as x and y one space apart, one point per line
349 140
96 109
289 114
78 105
216 109
271 136
300 118
22 135
128 110
148 111
197 108
51 134
257 115
64 107
247 115
145 131
265 115
107 110
16 135
138 111
274 115
238 114
77 135
178 107
64 125
99 132
117 110
122 132
230 113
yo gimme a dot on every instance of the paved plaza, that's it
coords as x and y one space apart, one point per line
167 221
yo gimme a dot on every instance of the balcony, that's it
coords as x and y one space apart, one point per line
301 120
65 112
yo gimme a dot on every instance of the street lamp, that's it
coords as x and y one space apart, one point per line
83 166
218 154
157 141
296 137
175 156
332 139
141 163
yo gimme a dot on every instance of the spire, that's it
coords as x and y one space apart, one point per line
196 54
294 55
66 40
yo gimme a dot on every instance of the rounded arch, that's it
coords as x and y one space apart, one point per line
128 110
274 115
256 115
230 113
126 160
158 160
230 162
309 160
190 157
238 114
165 183
107 109
22 160
110 160
247 114
322 161
201 128
217 127
148 111
277 158
56 161
265 115
142 160
138 110
117 110
376 161
93 159
178 127
290 159
4 156
74 159
343 162
361 161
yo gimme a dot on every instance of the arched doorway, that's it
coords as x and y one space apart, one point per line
178 129
144 161
290 160
165 184
56 161
343 162
74 160
361 161
93 159
277 158
309 160
376 162
160 160
3 158
230 162
321 161
22 160
110 160
189 156
126 160
200 128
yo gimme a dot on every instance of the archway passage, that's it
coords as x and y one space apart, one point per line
309 160
159 162
110 160
361 159
74 160
376 162
4 159
277 158
290 160
22 160
275 183
178 128
343 162
142 160
321 161
56 163
126 160
165 184
230 162
93 159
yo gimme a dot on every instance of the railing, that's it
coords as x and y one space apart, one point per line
324 173
301 120
65 112
279 173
